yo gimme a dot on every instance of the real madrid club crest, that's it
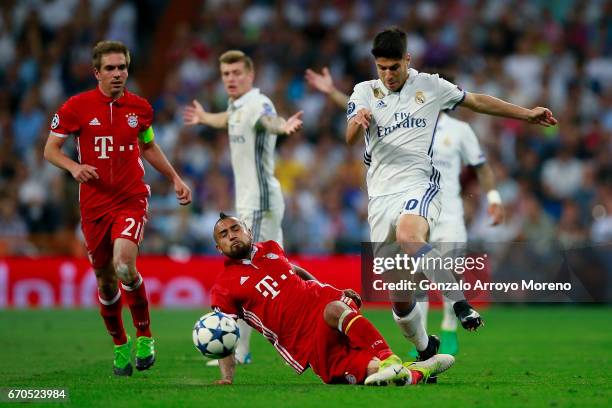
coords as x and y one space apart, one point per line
132 120
378 93
446 141
419 97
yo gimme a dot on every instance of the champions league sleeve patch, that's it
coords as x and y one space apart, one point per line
351 108
268 110
55 122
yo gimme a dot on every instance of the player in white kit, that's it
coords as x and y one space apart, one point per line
455 144
252 125
397 116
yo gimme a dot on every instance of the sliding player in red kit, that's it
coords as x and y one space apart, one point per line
310 324
112 129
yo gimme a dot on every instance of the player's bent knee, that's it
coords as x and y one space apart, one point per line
409 237
333 311
402 309
125 272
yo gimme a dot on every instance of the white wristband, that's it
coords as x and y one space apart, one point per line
493 197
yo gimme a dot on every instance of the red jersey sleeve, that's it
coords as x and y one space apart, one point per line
65 122
147 117
221 300
277 249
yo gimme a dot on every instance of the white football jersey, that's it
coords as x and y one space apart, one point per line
252 153
455 144
399 141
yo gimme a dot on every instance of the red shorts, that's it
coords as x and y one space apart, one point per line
333 358
126 222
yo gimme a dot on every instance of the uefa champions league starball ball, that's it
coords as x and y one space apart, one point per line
215 335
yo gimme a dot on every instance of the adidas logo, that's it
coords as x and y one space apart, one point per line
381 104
94 122
244 279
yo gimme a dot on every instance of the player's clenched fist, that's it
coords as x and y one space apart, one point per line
363 118
350 293
84 172
183 192
541 116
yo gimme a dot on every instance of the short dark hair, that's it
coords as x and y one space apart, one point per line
108 47
223 216
390 43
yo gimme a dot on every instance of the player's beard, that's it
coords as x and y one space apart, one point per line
241 251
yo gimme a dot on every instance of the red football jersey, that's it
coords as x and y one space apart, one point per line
266 292
106 134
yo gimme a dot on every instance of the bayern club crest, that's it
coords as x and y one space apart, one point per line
132 120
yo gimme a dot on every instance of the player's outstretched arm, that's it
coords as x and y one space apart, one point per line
54 155
358 125
324 83
490 105
195 114
305 275
302 273
279 126
227 365
154 155
486 179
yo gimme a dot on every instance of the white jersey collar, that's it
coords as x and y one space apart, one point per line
237 103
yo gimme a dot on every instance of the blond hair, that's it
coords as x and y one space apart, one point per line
108 47
232 56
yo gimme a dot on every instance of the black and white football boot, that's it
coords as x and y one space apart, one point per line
470 319
432 349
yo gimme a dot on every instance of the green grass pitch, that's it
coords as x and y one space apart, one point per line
547 356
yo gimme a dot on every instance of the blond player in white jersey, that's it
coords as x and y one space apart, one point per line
396 115
252 125
455 145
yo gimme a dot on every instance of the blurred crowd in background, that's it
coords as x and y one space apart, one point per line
556 183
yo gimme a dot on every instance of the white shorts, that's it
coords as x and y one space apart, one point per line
384 211
265 225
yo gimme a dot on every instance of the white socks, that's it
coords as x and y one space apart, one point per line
412 327
449 321
424 310
242 349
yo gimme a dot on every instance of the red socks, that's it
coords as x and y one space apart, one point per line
136 296
415 376
111 313
363 334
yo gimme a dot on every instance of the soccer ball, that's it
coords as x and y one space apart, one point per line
215 335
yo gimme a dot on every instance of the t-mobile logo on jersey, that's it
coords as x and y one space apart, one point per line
103 147
266 288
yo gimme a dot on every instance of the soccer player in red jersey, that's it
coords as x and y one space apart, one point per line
308 322
112 129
